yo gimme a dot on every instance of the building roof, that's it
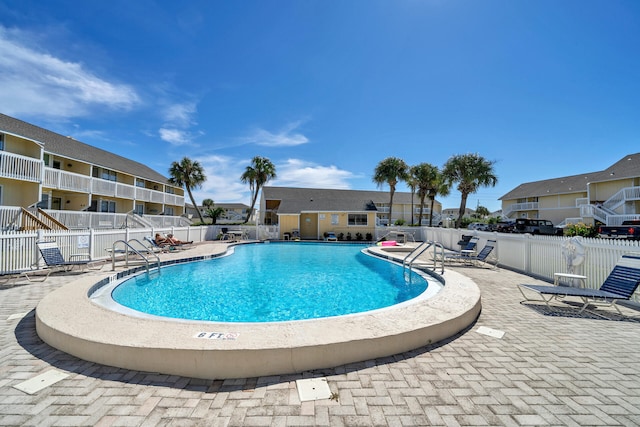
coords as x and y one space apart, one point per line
73 149
296 200
627 167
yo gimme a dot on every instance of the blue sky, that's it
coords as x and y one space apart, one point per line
326 89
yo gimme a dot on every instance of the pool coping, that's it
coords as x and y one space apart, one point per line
67 320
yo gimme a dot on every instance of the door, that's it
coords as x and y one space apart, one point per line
309 226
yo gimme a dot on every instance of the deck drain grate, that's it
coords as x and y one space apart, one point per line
313 389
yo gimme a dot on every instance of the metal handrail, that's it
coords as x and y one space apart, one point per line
130 249
410 258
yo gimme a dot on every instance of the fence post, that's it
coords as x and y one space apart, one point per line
91 243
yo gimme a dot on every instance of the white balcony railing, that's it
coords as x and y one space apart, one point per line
55 178
15 166
529 206
62 180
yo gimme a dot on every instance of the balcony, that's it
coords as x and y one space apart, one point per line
62 180
529 206
22 168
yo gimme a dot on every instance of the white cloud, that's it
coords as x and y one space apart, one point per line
300 173
287 137
180 115
175 136
223 180
34 82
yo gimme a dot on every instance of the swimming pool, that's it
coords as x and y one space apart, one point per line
71 320
273 282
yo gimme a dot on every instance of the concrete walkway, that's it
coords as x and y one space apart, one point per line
549 368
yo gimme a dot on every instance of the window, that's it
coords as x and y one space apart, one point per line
2 141
107 206
44 201
139 209
335 220
109 175
168 211
56 164
170 190
357 219
140 183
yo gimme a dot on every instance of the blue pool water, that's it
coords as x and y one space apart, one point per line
272 282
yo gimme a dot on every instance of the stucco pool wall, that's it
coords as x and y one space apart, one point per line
67 320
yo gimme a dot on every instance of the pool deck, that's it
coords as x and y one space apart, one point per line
549 368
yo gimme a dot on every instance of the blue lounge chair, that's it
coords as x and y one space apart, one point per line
55 261
468 256
620 285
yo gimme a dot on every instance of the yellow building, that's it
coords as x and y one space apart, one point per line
311 212
609 196
43 168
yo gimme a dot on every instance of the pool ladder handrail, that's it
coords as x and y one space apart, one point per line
411 257
128 248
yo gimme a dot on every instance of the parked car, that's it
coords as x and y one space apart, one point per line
536 226
629 229
504 226
480 226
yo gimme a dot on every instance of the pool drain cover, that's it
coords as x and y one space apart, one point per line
313 389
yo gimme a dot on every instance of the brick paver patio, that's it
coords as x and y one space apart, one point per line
556 370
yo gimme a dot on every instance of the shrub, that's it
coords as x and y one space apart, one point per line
581 229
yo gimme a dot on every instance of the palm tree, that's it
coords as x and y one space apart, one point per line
211 211
190 174
411 183
429 183
470 171
257 175
390 171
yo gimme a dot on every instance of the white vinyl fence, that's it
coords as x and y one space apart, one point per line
537 256
542 256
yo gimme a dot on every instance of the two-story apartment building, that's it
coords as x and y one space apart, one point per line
52 171
312 211
608 196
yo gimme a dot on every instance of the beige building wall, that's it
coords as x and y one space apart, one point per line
288 223
19 193
22 146
601 191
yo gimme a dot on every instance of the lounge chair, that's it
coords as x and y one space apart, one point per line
468 256
468 247
165 247
620 285
55 261
330 236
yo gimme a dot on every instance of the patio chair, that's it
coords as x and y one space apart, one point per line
55 261
468 256
620 285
